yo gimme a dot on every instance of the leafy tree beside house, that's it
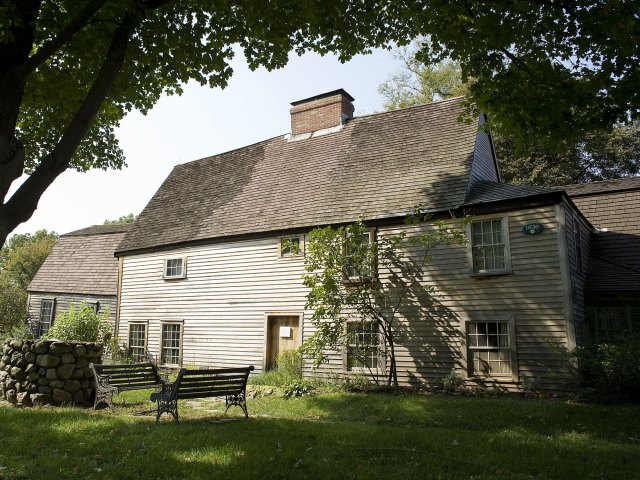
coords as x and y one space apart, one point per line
360 286
20 260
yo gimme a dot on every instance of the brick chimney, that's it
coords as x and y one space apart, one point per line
322 112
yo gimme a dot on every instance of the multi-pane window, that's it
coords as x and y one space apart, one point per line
46 316
290 246
489 348
357 267
488 245
171 336
363 345
174 267
137 341
614 323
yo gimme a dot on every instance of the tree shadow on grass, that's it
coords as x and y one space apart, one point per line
359 436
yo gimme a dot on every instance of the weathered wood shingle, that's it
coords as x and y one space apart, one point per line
82 262
378 166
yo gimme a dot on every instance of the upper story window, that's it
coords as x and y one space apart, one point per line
489 244
175 267
358 268
46 316
291 246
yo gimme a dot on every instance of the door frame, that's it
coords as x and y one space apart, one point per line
280 313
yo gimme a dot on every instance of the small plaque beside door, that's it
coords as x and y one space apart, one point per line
285 332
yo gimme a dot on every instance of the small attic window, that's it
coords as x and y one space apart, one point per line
175 267
291 246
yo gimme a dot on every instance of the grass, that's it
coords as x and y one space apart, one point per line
328 436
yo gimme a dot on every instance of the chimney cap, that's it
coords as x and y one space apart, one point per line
324 95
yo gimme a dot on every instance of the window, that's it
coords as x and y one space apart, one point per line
489 243
358 268
138 341
95 306
46 316
171 344
291 246
612 324
363 344
490 348
175 267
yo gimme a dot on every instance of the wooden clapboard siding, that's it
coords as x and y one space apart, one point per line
230 288
62 303
222 302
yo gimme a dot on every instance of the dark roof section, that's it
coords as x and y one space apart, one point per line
81 264
602 187
376 167
100 230
324 95
488 192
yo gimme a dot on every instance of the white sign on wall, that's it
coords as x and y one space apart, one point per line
285 332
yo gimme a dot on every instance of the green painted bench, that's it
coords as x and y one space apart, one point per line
230 383
113 379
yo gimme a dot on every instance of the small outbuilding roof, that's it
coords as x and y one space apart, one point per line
375 167
82 262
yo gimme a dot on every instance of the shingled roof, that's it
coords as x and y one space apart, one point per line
486 191
82 262
375 167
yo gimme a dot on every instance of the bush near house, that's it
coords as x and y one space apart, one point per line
81 324
611 369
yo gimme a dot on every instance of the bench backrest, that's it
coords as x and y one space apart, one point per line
132 375
212 383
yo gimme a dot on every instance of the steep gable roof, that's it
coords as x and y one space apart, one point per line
377 166
82 262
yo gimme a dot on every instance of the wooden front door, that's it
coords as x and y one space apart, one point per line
283 333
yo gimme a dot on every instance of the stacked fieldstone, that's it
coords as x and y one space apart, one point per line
47 371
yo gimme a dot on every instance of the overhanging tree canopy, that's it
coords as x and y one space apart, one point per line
70 70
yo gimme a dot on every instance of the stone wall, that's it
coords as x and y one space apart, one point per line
47 371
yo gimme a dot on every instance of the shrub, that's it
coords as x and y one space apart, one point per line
17 331
298 388
288 370
82 324
611 369
452 382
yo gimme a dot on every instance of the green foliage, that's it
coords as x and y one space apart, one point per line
82 324
20 260
611 369
551 70
417 83
452 381
18 331
288 371
369 282
298 388
600 153
130 218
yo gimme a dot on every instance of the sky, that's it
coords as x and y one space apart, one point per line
200 123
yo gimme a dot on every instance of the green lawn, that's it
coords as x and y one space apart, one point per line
328 436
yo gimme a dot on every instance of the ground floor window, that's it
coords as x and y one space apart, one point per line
490 350
363 346
46 316
611 324
138 341
171 344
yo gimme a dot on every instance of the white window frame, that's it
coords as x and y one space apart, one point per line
380 357
144 339
468 361
507 248
371 232
183 273
281 249
51 315
180 345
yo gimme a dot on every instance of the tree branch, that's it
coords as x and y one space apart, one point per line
65 36
25 200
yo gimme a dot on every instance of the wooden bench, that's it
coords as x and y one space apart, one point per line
230 383
113 379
